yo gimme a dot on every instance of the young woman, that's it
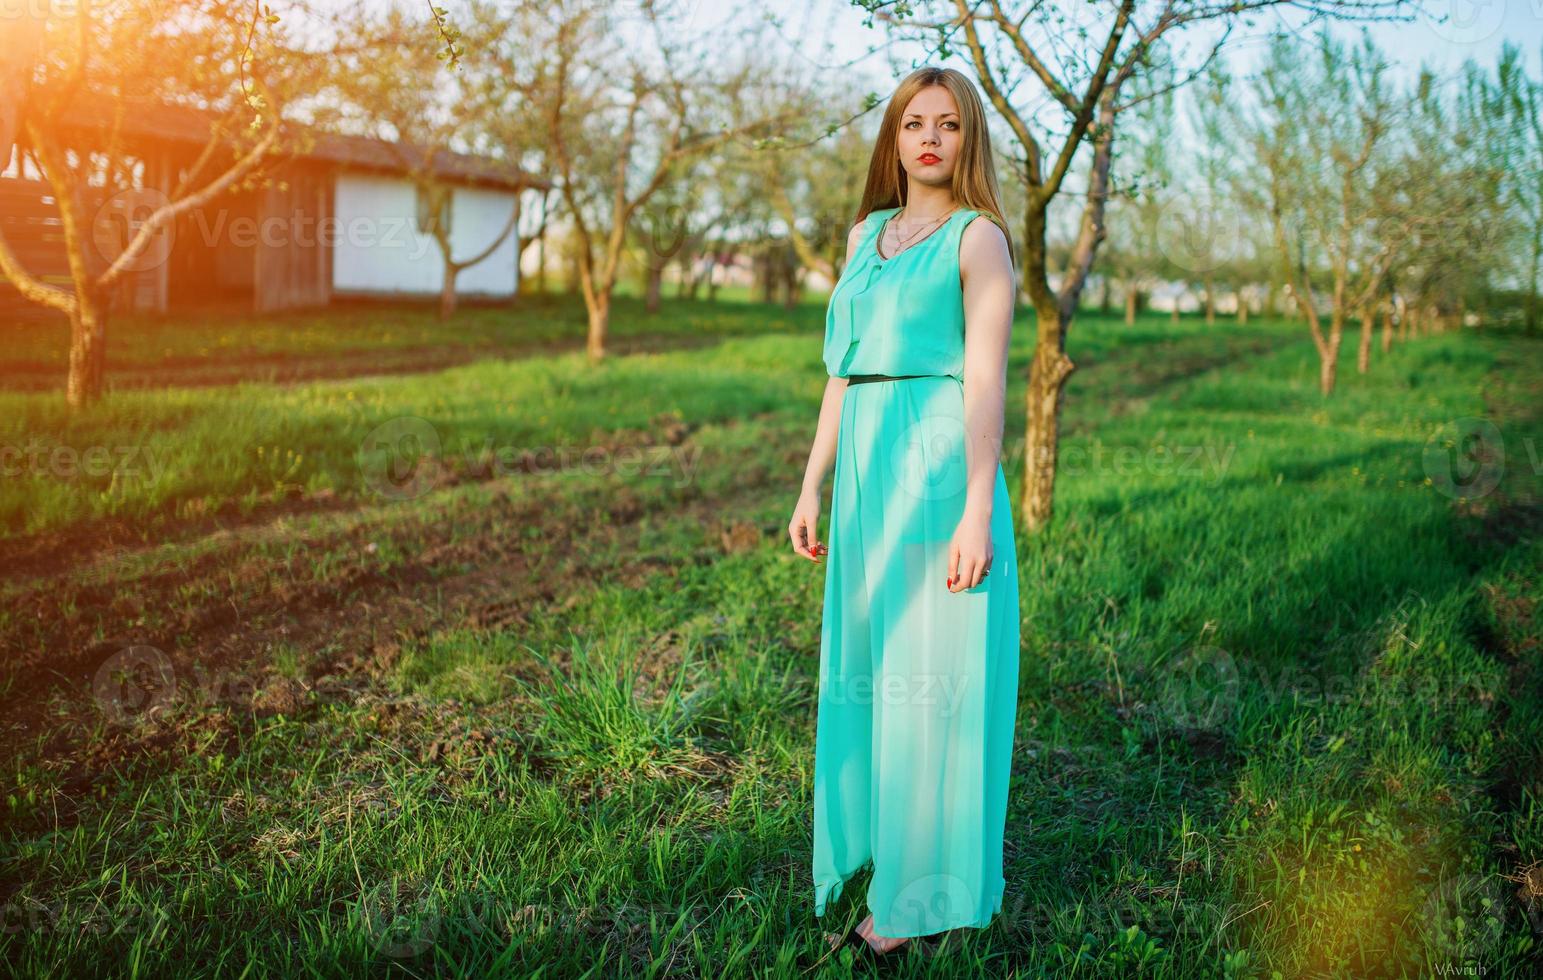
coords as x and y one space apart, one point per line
919 644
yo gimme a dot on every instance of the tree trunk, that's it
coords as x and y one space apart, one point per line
447 293
1210 301
599 322
1131 296
541 262
1105 299
1363 354
1532 285
684 278
1242 308
1047 380
653 286
88 353
1328 355
768 277
1387 327
573 273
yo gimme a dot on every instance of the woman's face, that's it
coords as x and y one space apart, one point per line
929 136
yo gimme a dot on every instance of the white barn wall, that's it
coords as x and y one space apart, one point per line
477 215
378 248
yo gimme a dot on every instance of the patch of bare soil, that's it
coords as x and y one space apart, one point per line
112 538
1509 517
231 608
284 368
1137 374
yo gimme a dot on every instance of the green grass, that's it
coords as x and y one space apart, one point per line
221 335
1278 712
147 455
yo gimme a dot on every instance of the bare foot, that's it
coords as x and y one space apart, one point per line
879 944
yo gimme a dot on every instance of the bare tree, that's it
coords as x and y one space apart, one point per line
1213 222
1524 101
1137 187
1509 109
608 105
1455 179
1320 120
811 187
391 80
119 57
1080 58
21 45
1325 139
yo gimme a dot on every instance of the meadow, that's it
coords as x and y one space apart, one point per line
545 704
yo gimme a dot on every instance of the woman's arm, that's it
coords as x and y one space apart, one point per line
986 275
822 454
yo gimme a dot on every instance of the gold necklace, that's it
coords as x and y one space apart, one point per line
926 227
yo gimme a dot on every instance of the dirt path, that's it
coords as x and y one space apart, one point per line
208 372
222 614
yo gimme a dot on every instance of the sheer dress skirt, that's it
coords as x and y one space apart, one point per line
917 685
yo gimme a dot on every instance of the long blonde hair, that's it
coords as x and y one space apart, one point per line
975 173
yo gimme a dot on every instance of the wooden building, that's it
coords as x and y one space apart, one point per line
343 219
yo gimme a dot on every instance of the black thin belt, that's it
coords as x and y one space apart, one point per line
857 379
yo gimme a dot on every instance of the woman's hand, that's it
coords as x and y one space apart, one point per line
803 527
969 553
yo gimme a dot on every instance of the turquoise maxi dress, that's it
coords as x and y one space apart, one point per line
918 685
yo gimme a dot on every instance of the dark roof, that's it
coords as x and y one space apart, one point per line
188 124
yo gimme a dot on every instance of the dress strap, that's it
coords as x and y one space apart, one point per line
970 214
875 221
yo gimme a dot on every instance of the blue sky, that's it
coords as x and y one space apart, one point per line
829 34
1441 33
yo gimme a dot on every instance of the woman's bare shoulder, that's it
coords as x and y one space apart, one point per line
983 244
853 237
